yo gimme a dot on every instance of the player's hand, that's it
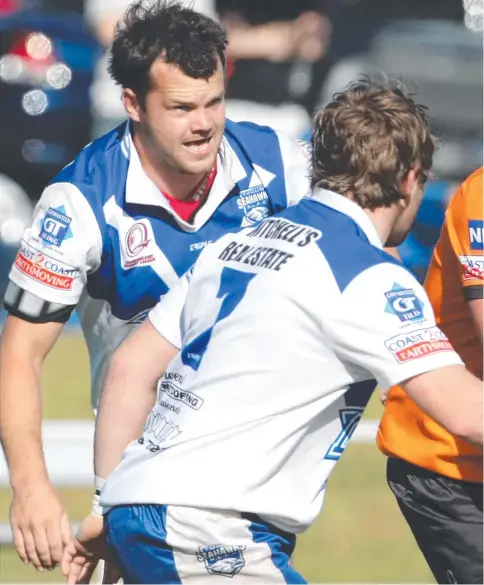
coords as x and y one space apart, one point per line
40 525
84 551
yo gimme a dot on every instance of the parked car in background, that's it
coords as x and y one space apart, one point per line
47 57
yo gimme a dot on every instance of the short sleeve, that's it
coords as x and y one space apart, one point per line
165 316
465 230
61 247
295 157
385 325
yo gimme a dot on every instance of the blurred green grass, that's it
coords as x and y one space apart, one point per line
360 537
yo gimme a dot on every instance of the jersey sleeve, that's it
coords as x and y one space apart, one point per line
165 316
296 159
385 325
60 248
465 230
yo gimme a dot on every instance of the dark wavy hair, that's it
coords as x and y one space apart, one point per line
366 141
152 29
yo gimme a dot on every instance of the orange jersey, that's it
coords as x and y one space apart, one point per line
455 277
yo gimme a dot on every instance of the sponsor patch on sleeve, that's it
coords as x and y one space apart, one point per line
55 226
476 227
417 344
45 269
404 304
472 267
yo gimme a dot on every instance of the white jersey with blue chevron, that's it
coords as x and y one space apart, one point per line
104 238
283 328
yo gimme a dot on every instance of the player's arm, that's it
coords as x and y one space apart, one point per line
45 284
436 393
463 230
39 526
475 307
392 335
129 390
129 394
127 397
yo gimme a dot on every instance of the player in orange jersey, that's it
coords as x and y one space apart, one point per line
436 477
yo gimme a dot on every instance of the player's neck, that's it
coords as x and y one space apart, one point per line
178 185
383 218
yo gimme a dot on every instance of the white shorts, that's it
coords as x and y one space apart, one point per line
175 544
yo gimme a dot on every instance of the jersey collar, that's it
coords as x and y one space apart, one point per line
140 189
351 209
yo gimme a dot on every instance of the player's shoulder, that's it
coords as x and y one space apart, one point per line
80 190
248 128
96 166
263 137
348 249
468 199
362 262
387 290
474 181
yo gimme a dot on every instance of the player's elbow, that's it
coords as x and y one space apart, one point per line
121 367
128 371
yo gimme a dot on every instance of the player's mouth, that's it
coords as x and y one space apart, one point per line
200 146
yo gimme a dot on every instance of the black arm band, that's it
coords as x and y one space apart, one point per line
473 293
29 307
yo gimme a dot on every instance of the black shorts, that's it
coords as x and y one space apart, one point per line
445 516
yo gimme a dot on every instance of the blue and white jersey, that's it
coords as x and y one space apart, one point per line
105 239
283 329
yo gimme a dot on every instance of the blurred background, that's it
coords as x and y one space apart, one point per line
286 58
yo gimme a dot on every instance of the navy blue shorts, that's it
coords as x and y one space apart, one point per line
175 544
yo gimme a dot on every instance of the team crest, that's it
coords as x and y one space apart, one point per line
139 244
222 559
255 204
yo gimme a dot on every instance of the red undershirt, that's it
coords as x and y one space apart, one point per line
186 209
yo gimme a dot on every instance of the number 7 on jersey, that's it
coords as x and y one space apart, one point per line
233 286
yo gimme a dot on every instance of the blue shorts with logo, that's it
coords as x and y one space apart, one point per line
176 544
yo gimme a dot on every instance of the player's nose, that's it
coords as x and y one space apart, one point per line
201 122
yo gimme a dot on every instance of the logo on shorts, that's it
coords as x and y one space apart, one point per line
404 304
222 559
55 227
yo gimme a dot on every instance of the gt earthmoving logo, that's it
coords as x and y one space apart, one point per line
44 269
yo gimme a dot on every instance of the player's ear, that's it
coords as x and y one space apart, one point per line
131 104
409 185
